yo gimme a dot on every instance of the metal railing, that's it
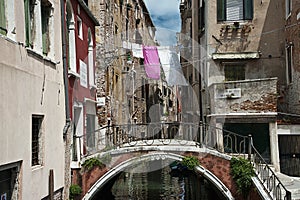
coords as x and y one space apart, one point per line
115 136
267 177
201 135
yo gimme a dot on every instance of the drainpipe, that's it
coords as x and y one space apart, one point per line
66 136
65 70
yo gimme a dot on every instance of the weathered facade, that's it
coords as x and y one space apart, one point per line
240 61
289 116
125 26
33 103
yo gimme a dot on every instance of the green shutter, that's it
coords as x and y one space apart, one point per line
45 29
3 30
221 10
248 9
44 32
27 22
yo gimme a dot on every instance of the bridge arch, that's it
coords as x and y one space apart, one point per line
148 157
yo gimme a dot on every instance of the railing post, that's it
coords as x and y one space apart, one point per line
249 146
288 195
200 133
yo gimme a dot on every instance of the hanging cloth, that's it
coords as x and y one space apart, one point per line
151 62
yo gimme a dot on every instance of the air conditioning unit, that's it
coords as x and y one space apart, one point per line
233 93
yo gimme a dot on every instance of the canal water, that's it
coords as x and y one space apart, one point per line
157 182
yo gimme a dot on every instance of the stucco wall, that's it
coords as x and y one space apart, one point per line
30 84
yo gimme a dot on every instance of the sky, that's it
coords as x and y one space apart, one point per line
166 18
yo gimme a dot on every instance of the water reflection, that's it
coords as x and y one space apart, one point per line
158 184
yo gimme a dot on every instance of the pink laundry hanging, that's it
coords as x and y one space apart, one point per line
151 62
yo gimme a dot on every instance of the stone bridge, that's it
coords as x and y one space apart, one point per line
127 148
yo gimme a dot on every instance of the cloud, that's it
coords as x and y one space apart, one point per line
166 18
171 22
162 7
166 37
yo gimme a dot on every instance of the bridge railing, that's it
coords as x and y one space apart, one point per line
267 176
114 136
242 146
178 133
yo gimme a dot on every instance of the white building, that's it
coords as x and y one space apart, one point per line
32 99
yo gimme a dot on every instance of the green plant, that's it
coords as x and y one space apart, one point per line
75 191
242 171
92 162
190 162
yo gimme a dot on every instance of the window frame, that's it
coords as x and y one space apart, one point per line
36 140
248 10
79 28
12 182
3 18
29 11
288 8
237 70
90 136
46 9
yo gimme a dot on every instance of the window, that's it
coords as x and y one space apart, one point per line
201 14
288 8
90 129
289 63
71 34
3 29
46 11
79 27
234 72
36 142
9 175
29 21
91 59
233 10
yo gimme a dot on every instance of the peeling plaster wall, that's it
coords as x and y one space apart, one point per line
256 97
264 35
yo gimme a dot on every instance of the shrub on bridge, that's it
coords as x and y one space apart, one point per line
91 163
190 162
242 171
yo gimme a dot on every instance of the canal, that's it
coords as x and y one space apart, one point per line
154 181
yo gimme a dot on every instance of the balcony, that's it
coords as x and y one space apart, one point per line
244 97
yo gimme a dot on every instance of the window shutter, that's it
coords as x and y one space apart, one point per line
248 9
45 29
2 18
221 10
44 32
27 22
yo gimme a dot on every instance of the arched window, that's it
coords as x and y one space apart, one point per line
91 59
71 39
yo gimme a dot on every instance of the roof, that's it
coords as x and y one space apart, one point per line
87 10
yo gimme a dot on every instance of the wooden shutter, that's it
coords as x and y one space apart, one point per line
45 29
27 22
248 9
3 30
221 10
